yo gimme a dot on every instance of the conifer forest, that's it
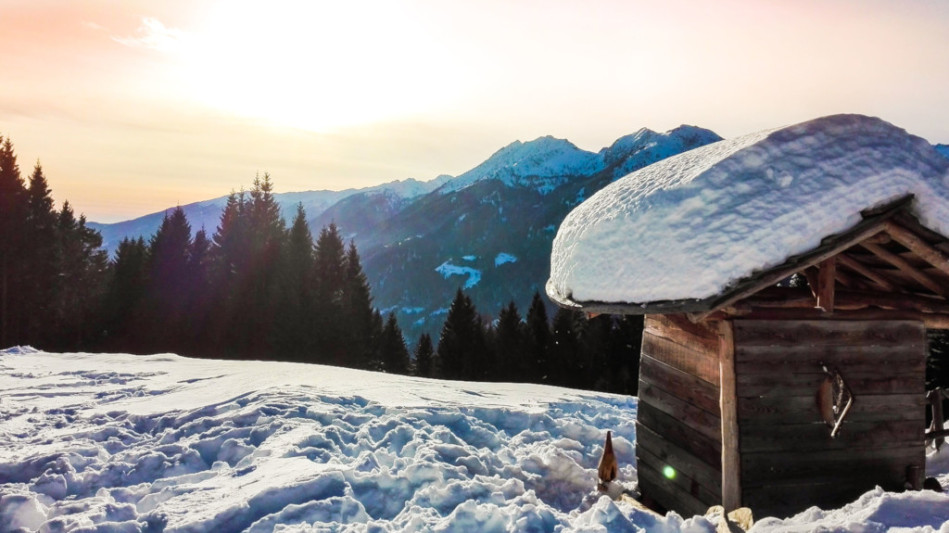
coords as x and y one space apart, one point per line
255 287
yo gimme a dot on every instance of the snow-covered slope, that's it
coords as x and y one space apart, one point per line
116 443
691 225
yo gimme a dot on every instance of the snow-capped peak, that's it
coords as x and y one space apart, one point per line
544 163
637 150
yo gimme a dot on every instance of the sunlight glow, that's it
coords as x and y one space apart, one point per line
318 65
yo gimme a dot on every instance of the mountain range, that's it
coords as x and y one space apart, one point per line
488 230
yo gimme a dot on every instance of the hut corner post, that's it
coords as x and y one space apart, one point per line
728 400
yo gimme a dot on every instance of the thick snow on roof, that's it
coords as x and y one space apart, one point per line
691 226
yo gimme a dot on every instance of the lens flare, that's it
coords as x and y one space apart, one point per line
669 472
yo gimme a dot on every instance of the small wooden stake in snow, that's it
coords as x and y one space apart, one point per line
607 469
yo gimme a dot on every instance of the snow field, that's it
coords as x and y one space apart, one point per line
92 448
119 443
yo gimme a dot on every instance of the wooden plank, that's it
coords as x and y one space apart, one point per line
906 268
698 364
911 302
876 277
801 383
702 421
930 320
826 332
857 359
731 457
680 330
684 386
709 495
826 278
920 247
673 430
763 469
816 437
803 409
671 454
787 499
656 487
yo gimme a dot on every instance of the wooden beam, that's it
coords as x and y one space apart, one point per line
826 278
731 455
862 269
811 275
772 278
920 247
905 267
906 302
930 320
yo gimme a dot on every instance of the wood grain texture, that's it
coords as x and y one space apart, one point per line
760 470
674 430
696 363
682 385
669 453
699 420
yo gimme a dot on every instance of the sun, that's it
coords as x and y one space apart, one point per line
317 65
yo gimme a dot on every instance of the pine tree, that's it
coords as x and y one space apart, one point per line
567 367
329 280
123 306
596 347
12 220
230 242
296 292
361 335
198 310
461 342
229 260
424 356
509 344
538 341
39 257
168 290
625 343
82 269
266 225
393 353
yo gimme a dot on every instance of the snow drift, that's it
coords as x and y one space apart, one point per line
117 443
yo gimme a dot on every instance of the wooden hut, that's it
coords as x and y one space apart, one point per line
798 378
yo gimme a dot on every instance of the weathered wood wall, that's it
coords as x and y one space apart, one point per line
679 419
788 459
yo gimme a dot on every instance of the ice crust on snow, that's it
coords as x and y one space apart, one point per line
116 442
691 225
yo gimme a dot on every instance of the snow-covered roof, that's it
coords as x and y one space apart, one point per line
693 226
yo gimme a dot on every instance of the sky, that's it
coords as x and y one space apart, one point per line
135 106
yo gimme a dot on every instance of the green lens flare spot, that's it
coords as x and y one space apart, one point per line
669 472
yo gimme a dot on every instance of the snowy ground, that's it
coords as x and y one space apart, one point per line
103 442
